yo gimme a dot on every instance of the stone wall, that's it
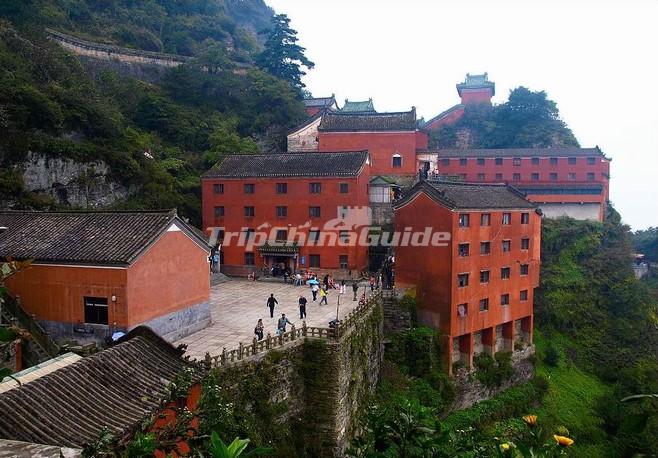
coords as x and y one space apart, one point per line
397 313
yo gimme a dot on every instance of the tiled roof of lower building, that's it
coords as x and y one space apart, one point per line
116 389
350 122
289 165
573 151
476 196
319 102
115 238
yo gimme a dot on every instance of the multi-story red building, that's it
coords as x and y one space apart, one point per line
562 181
476 289
294 210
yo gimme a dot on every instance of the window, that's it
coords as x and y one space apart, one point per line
516 161
525 218
523 295
249 188
281 235
342 213
524 269
464 220
342 261
463 249
507 219
282 188
96 310
484 305
462 310
315 188
219 212
397 161
499 161
553 161
525 243
485 247
313 235
314 260
484 276
480 161
499 177
480 176
516 177
535 161
507 244
591 160
445 161
534 176
572 161
314 212
572 176
281 212
218 188
504 273
553 176
504 299
462 280
249 212
344 236
590 176
249 259
344 188
463 161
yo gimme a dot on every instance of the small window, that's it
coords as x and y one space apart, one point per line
249 259
504 273
590 176
314 212
499 177
553 176
445 161
534 176
525 218
485 219
464 220
313 235
219 212
315 188
525 243
516 161
591 160
553 161
523 295
484 276
463 161
282 188
499 161
535 161
524 269
484 305
281 212
480 161
504 299
516 177
462 280
342 260
96 310
249 212
507 219
249 188
218 188
485 247
507 245
344 188
397 161
344 236
481 177
281 235
463 249
462 310
572 176
314 260
572 161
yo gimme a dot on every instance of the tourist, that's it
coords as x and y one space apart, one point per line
372 283
355 289
271 302
325 281
298 279
302 307
215 262
323 296
281 325
258 330
342 286
314 290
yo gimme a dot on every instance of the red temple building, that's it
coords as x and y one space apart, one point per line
290 206
315 105
477 289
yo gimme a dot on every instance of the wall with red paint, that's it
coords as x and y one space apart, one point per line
450 118
476 96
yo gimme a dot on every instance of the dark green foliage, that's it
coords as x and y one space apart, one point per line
416 351
493 371
552 356
527 120
646 242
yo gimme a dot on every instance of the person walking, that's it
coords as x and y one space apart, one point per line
281 325
271 302
314 291
372 283
355 289
258 330
302 307
323 296
342 286
298 279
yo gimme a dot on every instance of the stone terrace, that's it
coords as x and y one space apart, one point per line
236 306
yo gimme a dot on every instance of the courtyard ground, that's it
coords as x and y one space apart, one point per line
237 304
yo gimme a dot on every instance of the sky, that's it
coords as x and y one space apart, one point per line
598 60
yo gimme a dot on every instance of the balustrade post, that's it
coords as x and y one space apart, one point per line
292 332
240 349
223 356
304 328
268 341
255 344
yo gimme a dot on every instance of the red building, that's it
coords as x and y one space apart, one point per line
562 181
95 273
477 290
315 105
297 211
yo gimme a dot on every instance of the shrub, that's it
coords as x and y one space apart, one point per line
552 356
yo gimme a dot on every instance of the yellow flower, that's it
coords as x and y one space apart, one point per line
563 441
505 446
531 420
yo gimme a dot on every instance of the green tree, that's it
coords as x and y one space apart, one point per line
224 140
282 56
237 448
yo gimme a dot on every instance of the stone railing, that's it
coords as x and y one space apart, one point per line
294 336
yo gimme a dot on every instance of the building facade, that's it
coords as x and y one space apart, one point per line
315 105
478 288
289 211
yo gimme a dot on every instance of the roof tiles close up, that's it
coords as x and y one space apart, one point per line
350 122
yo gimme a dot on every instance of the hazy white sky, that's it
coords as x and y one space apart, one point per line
597 60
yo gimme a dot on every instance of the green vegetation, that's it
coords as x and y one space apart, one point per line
646 242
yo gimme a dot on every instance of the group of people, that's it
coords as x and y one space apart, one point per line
282 322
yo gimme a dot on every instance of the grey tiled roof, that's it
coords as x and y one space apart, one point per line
476 82
365 106
519 152
319 102
470 195
349 122
116 388
115 238
289 165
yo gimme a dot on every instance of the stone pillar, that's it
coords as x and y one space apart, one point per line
466 349
508 336
489 341
527 326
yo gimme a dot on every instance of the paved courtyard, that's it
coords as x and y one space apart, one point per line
236 305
